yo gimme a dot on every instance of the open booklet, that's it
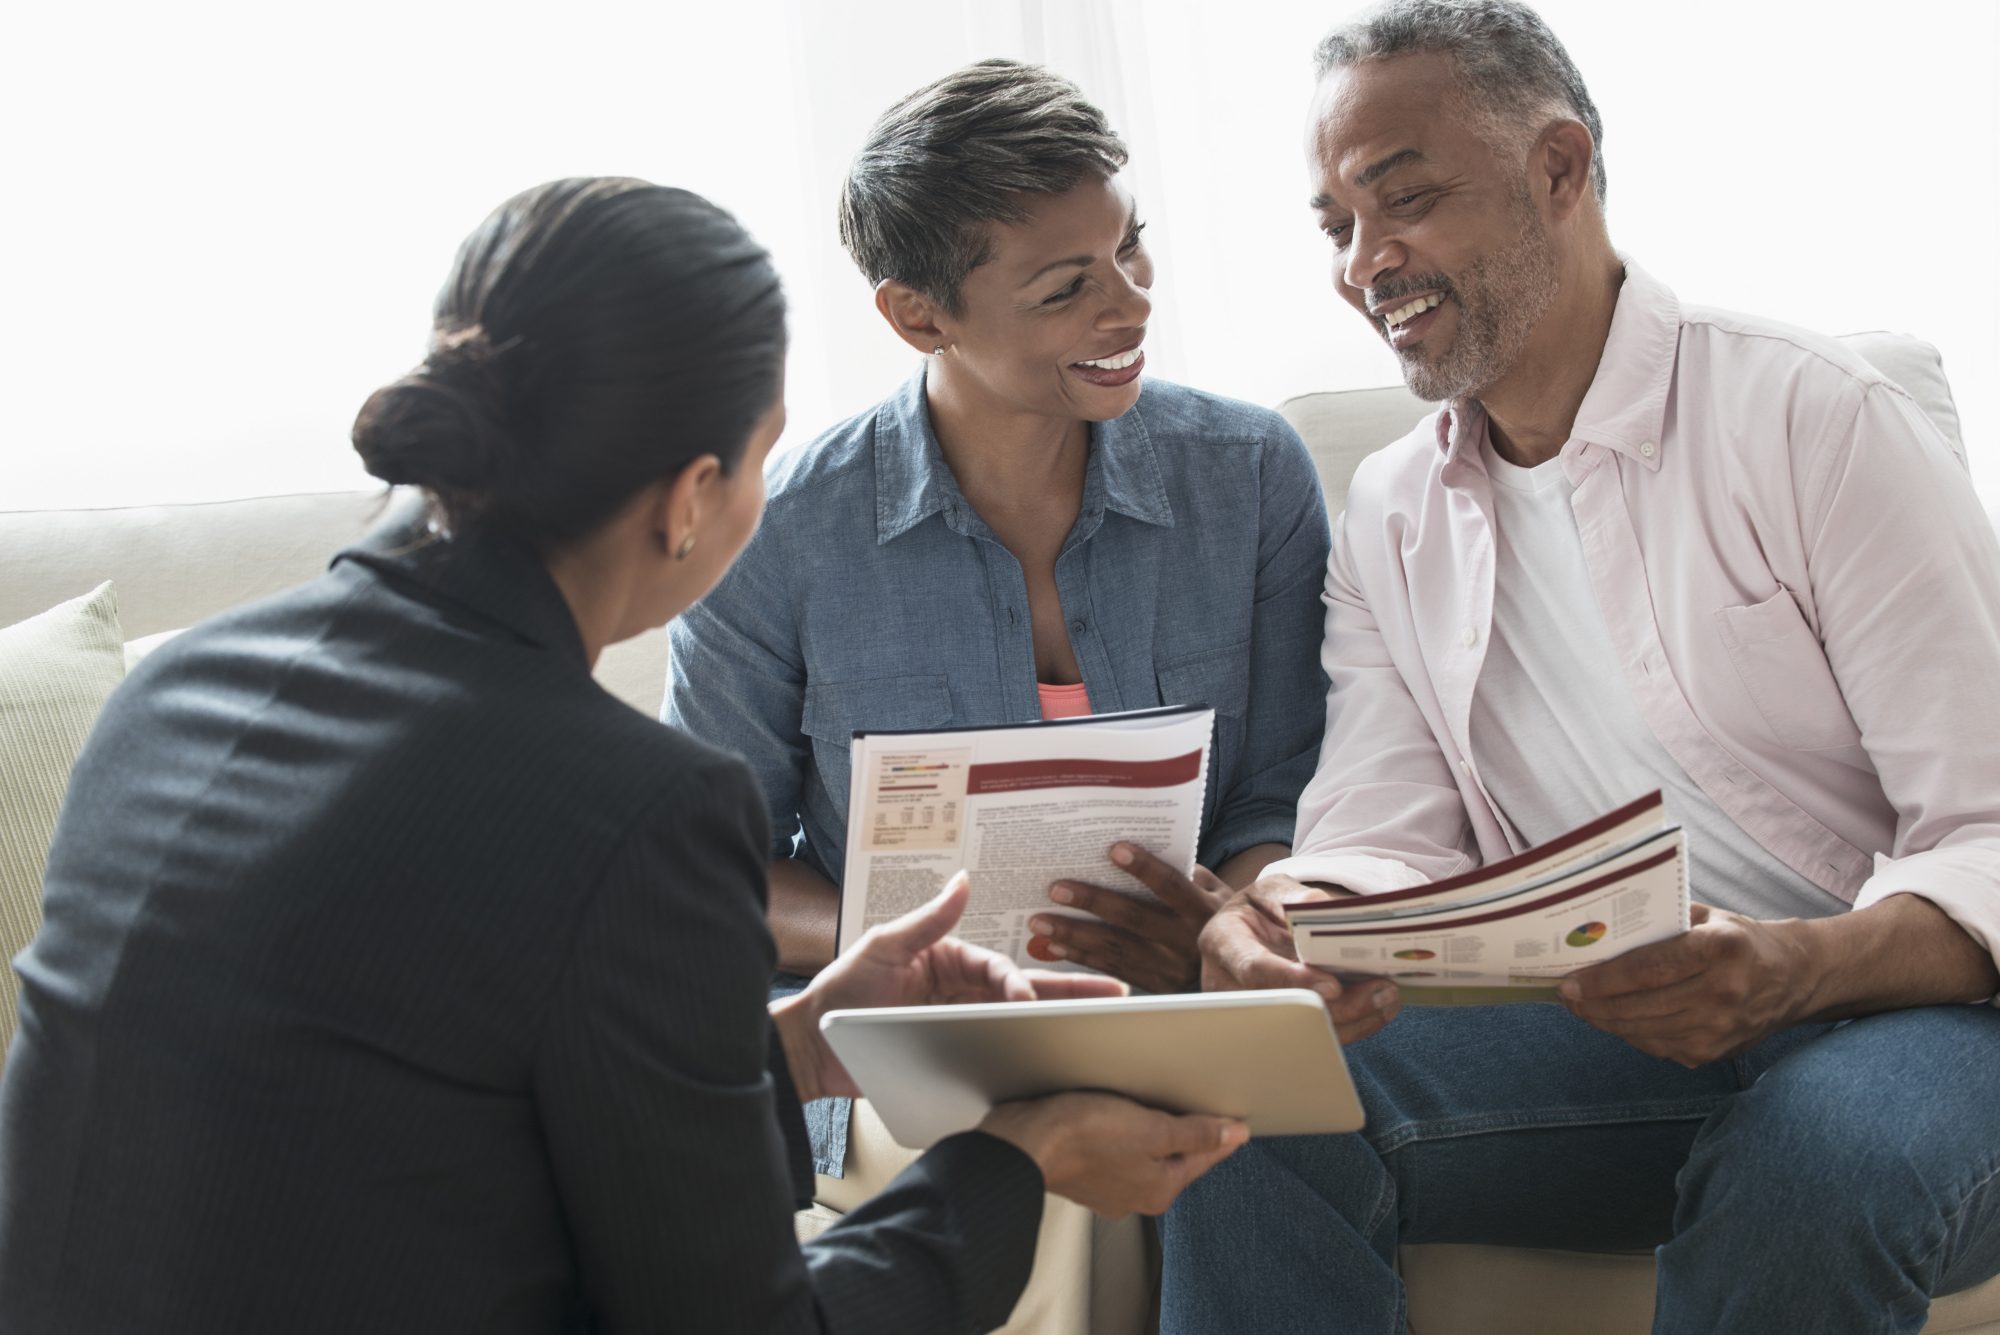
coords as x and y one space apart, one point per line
1512 930
1018 806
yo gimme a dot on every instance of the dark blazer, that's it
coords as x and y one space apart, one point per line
395 977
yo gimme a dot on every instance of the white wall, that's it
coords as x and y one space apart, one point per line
230 218
225 221
1834 164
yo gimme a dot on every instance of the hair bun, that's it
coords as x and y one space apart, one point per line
595 335
443 426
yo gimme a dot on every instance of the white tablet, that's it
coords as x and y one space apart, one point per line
1270 1058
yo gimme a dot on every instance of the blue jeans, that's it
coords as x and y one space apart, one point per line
1830 1180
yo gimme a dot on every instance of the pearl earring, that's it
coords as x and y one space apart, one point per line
687 545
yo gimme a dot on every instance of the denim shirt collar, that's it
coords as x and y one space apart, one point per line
913 482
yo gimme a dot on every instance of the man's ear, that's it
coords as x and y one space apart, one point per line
914 316
1563 157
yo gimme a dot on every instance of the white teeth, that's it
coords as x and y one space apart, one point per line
1403 314
1118 363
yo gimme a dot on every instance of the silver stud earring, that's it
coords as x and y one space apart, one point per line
938 351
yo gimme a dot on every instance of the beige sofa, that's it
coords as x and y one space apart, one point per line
172 565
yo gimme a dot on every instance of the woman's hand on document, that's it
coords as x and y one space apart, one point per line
1154 946
1247 946
1112 1155
909 962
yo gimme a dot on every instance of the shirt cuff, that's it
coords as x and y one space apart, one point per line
1962 880
1358 872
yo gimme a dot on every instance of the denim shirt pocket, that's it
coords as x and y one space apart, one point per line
835 711
1785 672
1220 679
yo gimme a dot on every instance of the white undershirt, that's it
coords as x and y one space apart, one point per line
1555 731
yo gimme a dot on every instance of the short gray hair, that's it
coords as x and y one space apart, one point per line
955 155
1516 72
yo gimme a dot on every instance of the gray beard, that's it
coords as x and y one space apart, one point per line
1500 300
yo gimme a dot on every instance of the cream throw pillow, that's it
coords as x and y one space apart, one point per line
56 670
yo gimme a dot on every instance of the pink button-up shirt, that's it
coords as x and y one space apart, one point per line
1802 591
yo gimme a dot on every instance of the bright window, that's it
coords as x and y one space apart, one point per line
225 221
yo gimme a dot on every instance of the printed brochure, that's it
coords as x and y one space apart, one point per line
1512 930
1018 806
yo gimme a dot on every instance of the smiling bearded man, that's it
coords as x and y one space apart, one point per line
1641 546
1500 298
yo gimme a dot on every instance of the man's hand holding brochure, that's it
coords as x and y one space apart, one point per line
1511 930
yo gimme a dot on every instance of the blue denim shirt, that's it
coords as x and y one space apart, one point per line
874 597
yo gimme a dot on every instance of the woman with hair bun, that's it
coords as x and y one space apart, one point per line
396 978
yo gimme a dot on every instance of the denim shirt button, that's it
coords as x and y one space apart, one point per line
1077 626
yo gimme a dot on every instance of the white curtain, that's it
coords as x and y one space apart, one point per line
223 222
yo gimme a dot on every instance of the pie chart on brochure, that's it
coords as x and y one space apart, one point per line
1586 934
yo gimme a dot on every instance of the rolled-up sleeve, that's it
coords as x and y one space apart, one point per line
736 679
1282 719
1906 584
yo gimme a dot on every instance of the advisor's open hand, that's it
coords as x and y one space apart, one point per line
910 962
